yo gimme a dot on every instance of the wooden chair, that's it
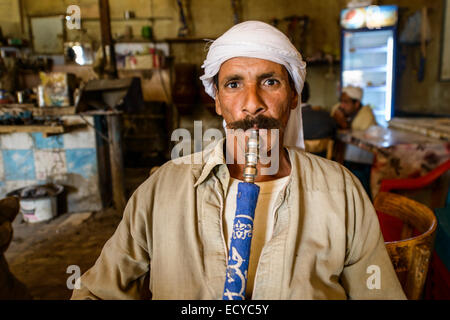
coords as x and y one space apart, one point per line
319 146
410 254
438 283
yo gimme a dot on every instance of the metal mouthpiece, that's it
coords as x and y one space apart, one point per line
251 157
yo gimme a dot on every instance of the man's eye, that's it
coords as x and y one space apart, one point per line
232 85
271 82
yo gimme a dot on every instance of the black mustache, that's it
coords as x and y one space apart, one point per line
260 121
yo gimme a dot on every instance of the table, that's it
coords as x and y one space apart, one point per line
398 153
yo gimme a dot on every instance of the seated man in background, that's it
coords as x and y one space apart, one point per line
350 113
317 123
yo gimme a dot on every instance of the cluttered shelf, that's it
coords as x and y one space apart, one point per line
39 111
130 19
188 39
28 118
53 111
47 129
138 40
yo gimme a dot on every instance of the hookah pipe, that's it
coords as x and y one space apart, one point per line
239 253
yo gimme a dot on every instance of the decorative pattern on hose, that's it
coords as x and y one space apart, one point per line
241 239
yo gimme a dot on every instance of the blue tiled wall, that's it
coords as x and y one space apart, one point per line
52 142
18 164
71 159
82 161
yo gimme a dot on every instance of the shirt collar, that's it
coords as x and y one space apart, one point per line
215 157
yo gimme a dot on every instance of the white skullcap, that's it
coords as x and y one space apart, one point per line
255 39
353 92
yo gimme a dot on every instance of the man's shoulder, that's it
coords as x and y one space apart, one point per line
364 119
366 109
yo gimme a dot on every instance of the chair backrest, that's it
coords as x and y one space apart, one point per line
320 145
410 255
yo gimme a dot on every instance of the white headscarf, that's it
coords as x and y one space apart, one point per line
353 92
255 39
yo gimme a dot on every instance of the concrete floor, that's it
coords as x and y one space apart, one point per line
40 253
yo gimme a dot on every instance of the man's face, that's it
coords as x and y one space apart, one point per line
251 87
348 105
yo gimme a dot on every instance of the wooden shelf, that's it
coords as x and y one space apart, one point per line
101 113
53 111
16 105
187 40
46 130
142 19
40 111
137 40
130 19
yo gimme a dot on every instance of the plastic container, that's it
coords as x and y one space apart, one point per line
39 202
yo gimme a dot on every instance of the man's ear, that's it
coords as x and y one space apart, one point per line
217 102
294 99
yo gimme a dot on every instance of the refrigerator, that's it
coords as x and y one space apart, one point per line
368 56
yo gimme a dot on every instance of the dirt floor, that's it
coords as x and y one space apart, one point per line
40 253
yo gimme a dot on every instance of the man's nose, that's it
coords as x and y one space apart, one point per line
253 104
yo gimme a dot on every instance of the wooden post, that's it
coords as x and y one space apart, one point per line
107 40
116 161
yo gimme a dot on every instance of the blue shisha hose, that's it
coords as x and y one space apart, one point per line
241 239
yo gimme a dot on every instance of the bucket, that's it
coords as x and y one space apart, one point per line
39 202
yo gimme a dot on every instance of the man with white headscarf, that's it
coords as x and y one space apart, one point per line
315 231
350 113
